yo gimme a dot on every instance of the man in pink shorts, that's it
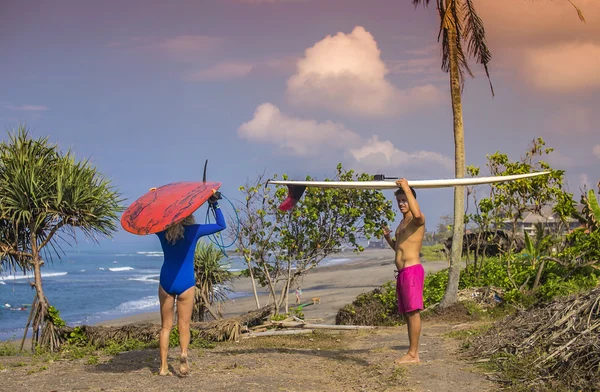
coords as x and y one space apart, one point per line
409 282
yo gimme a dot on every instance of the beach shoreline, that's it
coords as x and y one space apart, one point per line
335 285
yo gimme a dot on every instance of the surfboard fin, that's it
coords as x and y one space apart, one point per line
295 192
204 176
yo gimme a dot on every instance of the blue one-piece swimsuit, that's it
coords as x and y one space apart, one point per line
177 272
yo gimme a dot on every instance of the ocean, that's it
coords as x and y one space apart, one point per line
95 285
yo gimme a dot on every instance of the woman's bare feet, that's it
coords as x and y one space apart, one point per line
407 359
165 372
184 368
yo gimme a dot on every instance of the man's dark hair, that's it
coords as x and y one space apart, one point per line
400 191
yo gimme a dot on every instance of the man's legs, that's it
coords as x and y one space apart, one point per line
409 289
413 323
185 306
167 303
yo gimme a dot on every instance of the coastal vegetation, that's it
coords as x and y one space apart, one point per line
282 247
548 288
46 198
212 281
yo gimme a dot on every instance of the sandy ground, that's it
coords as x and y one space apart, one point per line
323 361
326 361
335 285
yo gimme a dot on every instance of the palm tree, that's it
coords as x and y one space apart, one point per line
45 196
211 280
463 36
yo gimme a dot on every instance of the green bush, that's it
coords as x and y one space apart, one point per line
378 307
7 349
434 287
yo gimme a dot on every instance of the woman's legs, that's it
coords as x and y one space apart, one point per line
185 306
167 303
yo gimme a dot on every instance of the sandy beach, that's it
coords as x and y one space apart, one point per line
335 285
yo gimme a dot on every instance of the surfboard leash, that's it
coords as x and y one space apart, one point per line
216 236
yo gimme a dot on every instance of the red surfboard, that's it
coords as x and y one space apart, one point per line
161 207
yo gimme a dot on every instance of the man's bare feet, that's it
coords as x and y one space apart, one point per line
165 372
184 368
407 359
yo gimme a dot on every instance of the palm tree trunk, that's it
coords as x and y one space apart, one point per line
451 293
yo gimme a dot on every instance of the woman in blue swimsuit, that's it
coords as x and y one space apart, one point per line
177 280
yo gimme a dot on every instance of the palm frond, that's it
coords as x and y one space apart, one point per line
474 35
44 193
417 2
579 13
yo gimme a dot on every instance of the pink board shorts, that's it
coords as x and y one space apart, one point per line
409 288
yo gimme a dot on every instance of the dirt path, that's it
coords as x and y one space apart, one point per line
346 361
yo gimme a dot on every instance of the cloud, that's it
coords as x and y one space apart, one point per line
220 72
297 136
596 150
27 108
564 67
544 42
378 154
345 74
309 138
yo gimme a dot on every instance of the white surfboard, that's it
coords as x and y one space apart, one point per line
296 188
417 184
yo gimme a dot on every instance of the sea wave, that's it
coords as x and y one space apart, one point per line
145 303
119 269
151 254
146 278
30 276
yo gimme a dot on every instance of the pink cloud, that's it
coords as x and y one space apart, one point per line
564 67
596 150
544 42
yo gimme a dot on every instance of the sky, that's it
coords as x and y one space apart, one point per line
148 90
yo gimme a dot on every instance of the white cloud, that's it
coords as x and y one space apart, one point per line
303 137
295 135
27 108
596 150
219 72
382 154
345 74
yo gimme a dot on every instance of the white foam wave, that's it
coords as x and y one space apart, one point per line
2 283
151 254
146 278
119 269
140 304
30 276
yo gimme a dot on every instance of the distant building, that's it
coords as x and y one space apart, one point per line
547 217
